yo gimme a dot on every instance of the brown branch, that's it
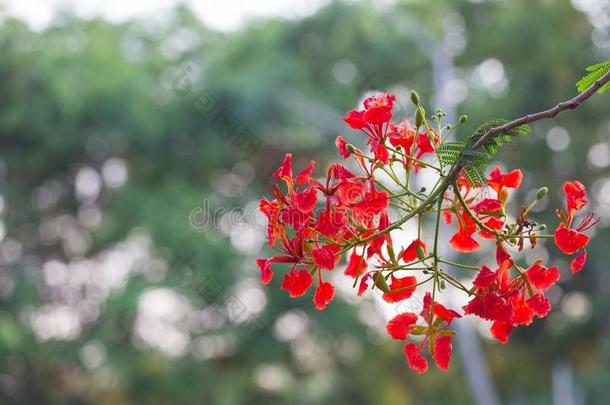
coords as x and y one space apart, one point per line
570 104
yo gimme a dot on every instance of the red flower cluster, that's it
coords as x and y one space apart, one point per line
311 241
314 222
571 240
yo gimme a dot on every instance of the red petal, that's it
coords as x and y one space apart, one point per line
382 154
341 145
305 175
442 352
463 242
575 196
578 262
540 305
364 284
356 265
285 170
297 282
487 205
414 358
522 313
399 284
329 223
447 217
512 179
447 314
324 257
501 330
399 326
496 308
410 254
355 119
485 277
501 255
323 295
570 241
266 273
306 200
541 277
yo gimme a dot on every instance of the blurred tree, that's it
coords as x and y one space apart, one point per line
114 137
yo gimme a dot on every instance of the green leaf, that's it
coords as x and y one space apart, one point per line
475 160
450 152
475 175
595 72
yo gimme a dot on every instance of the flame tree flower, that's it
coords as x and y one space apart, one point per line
313 222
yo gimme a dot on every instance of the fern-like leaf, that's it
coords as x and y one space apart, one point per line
450 152
595 72
475 175
475 161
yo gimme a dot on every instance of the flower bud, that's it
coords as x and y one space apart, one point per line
414 97
542 227
542 193
380 282
419 117
463 119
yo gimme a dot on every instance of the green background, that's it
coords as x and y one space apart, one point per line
127 263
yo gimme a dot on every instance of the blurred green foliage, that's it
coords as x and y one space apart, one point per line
82 100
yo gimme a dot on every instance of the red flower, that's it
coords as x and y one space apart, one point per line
487 206
569 240
492 223
399 326
324 257
296 282
266 273
442 352
356 265
381 153
463 241
378 108
364 284
578 263
541 277
342 147
305 201
355 119
401 135
497 180
439 311
399 289
285 170
522 313
323 295
373 203
305 176
410 254
425 144
575 196
414 358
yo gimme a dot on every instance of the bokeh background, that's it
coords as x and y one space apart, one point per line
135 141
